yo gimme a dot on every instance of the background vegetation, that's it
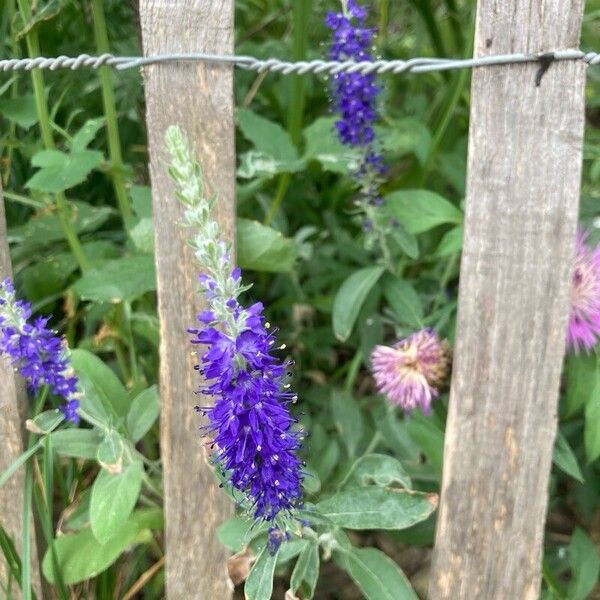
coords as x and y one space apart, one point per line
73 162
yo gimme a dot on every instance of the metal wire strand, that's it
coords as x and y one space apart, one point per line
274 65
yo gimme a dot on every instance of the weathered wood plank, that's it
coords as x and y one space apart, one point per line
13 409
524 168
199 98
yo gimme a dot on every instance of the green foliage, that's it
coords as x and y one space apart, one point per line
350 298
378 576
373 507
259 584
81 231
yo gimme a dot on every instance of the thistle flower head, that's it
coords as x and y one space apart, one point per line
410 372
35 351
253 433
584 319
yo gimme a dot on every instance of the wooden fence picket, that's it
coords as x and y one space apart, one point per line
13 409
198 98
524 170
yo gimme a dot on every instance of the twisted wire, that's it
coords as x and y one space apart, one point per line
274 65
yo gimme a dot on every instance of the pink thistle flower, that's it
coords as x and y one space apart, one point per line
410 372
584 319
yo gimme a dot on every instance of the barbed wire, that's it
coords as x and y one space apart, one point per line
275 65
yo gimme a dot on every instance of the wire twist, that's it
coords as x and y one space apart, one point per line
274 65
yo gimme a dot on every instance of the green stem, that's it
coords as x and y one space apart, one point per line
37 78
353 371
425 10
456 91
377 437
455 24
27 502
110 111
301 12
284 183
384 17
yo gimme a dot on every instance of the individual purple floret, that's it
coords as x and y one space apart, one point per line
35 351
584 319
253 433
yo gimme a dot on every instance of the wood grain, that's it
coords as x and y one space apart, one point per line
199 98
13 409
524 169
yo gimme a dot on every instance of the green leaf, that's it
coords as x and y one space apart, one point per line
451 243
585 565
406 136
237 532
322 144
44 12
141 198
325 462
46 228
349 300
143 413
21 111
259 164
76 443
428 437
421 210
591 432
86 134
45 422
582 376
113 499
262 248
119 280
142 234
403 300
378 576
348 419
259 585
407 242
377 469
81 556
377 508
102 392
306 571
60 171
564 458
267 137
110 452
395 433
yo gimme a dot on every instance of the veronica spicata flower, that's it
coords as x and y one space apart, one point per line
35 351
354 95
410 372
254 435
584 319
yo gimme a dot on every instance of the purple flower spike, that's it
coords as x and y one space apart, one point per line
410 372
584 319
252 428
354 95
35 351
254 435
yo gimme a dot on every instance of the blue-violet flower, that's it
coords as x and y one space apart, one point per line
35 351
254 436
354 95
